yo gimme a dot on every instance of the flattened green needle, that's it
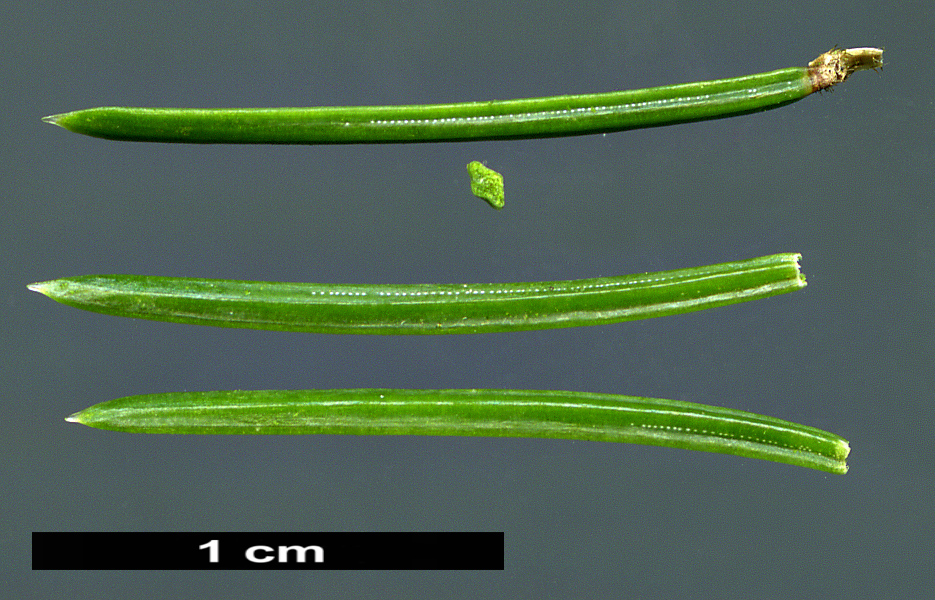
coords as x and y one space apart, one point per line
497 119
427 308
489 413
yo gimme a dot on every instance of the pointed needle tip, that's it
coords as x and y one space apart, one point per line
74 418
51 119
40 287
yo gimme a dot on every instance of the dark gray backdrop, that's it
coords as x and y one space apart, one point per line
844 178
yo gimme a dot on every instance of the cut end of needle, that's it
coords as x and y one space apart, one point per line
842 452
837 64
845 449
798 266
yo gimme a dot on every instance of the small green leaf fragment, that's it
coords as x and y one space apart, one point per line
486 184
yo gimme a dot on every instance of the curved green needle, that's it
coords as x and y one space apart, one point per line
427 308
489 120
489 413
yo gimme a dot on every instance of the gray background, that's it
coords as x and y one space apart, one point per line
844 178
